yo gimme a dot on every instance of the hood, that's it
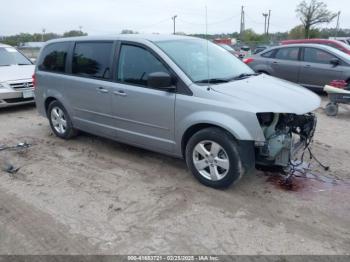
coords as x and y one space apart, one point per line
269 94
16 72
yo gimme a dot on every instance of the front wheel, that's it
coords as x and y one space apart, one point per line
213 158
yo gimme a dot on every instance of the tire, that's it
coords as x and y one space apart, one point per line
331 109
213 158
60 121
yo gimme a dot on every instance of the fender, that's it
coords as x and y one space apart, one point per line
227 122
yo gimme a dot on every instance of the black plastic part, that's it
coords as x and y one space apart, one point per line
160 80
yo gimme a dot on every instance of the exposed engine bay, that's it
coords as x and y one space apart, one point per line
286 135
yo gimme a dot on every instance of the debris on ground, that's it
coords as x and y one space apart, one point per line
11 169
19 146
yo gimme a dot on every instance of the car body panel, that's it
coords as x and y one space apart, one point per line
158 119
327 42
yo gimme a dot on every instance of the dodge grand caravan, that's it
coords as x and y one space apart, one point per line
177 95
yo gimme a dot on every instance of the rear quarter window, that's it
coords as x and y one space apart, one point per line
54 57
268 54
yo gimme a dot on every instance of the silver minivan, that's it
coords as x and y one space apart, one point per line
178 95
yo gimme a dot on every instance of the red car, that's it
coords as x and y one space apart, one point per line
333 43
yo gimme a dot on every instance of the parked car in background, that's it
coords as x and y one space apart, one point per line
229 49
310 65
244 51
345 40
260 48
333 43
16 70
177 95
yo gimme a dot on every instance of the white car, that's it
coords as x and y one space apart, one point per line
16 83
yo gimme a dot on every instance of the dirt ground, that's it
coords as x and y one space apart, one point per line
94 196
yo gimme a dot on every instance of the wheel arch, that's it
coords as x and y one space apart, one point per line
48 101
245 147
194 129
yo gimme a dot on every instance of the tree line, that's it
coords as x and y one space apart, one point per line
17 40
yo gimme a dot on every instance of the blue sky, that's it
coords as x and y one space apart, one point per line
111 16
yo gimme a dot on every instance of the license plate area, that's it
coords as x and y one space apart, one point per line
27 93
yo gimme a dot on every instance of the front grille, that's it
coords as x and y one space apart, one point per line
22 85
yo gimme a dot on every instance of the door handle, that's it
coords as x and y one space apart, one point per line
120 93
307 65
102 90
274 62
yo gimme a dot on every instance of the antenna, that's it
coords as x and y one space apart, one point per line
206 36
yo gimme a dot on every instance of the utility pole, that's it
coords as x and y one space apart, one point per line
80 28
268 23
265 16
173 18
42 35
242 22
337 28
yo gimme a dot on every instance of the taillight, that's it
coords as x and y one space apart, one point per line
248 60
33 80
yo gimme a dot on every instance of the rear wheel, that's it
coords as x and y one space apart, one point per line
331 109
213 158
60 121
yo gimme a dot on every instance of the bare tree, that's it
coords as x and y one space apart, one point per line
313 13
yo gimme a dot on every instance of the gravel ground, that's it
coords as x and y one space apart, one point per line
94 196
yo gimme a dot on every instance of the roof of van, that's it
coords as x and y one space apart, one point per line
149 37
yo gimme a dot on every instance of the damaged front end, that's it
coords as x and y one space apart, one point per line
285 135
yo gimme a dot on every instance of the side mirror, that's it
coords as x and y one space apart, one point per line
335 61
160 80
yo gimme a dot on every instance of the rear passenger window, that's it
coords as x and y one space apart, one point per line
53 58
92 59
136 63
290 53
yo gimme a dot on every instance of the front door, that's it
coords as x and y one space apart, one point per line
143 115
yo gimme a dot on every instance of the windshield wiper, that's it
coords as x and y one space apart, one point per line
243 76
212 81
4 65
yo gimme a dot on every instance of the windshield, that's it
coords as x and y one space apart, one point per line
202 60
10 56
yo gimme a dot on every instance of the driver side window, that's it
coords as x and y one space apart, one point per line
136 63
